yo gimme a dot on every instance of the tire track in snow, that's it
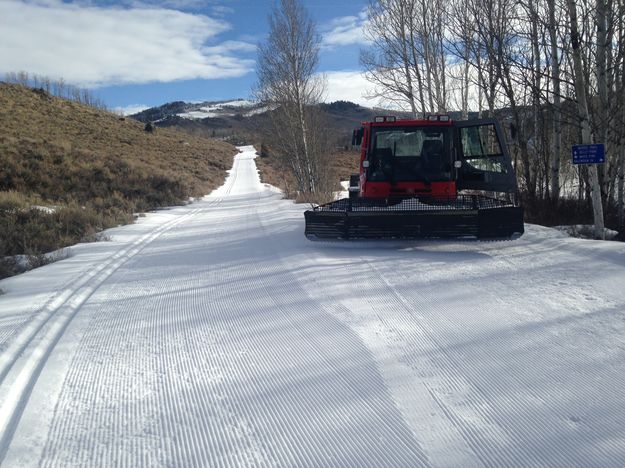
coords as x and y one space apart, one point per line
403 450
502 431
525 411
23 359
490 441
392 306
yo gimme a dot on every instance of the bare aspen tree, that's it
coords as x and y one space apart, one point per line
621 168
603 110
465 44
389 63
474 45
286 80
556 143
414 55
407 60
621 154
433 51
496 42
536 73
584 118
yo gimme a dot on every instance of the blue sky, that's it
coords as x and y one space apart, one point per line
136 53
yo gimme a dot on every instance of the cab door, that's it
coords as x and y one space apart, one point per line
483 157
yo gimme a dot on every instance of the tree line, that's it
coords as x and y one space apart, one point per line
56 87
552 70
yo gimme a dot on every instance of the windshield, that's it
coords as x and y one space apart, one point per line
410 154
408 141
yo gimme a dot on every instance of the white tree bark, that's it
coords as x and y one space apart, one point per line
286 79
584 119
556 143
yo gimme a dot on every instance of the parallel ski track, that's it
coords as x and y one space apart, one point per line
191 412
187 416
24 357
263 376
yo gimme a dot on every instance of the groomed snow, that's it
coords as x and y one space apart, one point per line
215 334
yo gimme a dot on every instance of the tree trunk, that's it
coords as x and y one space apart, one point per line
621 178
536 78
465 88
602 84
415 64
406 61
621 156
556 143
427 54
584 119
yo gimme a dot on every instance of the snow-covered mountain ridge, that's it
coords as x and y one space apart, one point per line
201 110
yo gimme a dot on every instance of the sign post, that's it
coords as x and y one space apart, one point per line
588 154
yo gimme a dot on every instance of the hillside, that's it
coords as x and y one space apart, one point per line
89 169
243 121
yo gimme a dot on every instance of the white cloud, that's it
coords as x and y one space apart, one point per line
230 46
348 86
352 86
345 30
130 109
221 10
175 4
93 46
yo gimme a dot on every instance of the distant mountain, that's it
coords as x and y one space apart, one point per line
200 111
240 120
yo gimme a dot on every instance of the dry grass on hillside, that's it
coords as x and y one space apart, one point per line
272 171
61 153
38 131
345 163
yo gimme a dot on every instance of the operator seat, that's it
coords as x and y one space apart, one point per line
432 157
382 165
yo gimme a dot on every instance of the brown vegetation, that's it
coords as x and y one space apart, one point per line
93 167
274 171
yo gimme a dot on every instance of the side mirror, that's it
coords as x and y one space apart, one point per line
357 136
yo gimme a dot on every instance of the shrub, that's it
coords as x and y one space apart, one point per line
13 201
94 169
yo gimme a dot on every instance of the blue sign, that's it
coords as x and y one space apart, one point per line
588 154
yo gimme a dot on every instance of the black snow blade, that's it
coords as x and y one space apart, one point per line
461 217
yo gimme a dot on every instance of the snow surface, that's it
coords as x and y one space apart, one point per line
221 109
215 334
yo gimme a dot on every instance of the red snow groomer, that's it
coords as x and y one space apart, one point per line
430 178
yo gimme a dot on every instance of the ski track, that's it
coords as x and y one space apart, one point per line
25 355
223 338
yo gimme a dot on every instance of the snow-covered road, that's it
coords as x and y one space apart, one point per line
216 335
